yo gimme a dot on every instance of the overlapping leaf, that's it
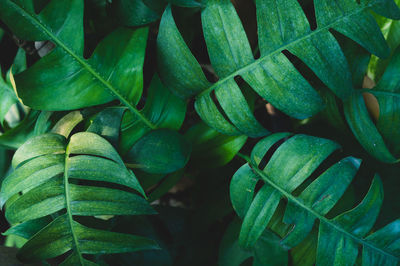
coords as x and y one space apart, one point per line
64 79
391 31
49 180
380 139
266 251
212 149
16 129
7 93
282 25
289 166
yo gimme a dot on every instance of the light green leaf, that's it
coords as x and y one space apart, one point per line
44 183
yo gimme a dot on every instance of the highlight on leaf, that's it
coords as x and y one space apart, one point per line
62 180
272 76
283 163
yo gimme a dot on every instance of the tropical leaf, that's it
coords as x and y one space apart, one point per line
291 163
266 251
8 96
162 108
160 151
272 75
107 124
391 31
51 180
142 12
380 139
64 79
210 148
13 138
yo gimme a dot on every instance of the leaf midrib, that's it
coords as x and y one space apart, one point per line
321 218
258 61
68 206
83 63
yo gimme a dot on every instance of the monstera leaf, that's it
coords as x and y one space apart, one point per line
64 79
292 160
272 75
380 139
51 180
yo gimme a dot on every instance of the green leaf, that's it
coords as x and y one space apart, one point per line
44 183
15 137
391 31
64 79
108 124
162 108
384 238
29 228
8 96
272 75
67 123
134 13
289 166
142 12
267 251
381 140
210 148
161 151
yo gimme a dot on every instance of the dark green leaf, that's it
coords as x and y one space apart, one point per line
272 76
290 165
211 148
161 151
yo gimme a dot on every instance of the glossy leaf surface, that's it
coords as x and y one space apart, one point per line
46 167
64 79
272 76
339 237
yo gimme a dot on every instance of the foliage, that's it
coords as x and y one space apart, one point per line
339 236
124 126
272 76
45 167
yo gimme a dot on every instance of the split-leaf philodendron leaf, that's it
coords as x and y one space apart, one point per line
64 79
122 123
48 181
339 237
282 26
